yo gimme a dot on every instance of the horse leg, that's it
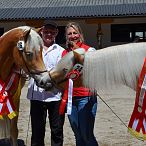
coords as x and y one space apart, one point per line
13 125
14 121
14 131
5 128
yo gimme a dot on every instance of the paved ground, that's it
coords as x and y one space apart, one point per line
109 130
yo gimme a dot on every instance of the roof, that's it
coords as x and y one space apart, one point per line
56 9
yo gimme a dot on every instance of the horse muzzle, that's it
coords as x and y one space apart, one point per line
43 80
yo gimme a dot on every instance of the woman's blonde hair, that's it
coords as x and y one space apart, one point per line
76 27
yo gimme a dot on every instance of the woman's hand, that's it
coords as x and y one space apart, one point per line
72 45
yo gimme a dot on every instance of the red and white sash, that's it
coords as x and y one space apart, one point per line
6 102
67 99
67 96
137 123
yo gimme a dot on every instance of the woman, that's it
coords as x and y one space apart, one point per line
84 103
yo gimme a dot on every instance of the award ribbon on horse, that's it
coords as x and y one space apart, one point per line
67 99
6 99
137 123
70 93
67 96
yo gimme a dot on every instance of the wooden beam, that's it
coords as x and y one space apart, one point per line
99 20
34 23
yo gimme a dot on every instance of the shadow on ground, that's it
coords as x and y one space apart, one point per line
5 142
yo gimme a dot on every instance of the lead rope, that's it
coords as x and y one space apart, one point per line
115 114
112 111
29 120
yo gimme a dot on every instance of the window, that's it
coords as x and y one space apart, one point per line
128 32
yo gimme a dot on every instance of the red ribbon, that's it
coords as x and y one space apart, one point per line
74 75
64 101
6 101
137 123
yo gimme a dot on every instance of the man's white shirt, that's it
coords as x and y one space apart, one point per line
51 57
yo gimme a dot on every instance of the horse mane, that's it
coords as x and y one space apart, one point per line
113 66
34 39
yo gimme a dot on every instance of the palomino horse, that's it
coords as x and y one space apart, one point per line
105 68
20 48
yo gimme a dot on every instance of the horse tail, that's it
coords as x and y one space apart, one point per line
5 128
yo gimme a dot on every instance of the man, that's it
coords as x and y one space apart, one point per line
45 102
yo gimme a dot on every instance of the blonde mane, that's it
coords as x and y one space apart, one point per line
112 66
34 40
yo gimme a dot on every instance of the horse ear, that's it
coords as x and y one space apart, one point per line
38 30
78 57
26 34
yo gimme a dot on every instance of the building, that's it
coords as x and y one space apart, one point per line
104 22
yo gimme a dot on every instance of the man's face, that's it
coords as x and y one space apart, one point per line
48 35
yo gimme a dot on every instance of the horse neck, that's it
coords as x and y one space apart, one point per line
5 67
7 44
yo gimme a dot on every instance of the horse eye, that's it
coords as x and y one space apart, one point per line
29 55
65 70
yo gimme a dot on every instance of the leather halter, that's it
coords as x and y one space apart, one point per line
31 73
21 47
73 74
54 83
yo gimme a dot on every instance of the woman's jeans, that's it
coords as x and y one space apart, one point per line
82 120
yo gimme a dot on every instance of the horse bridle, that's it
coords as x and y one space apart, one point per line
31 73
77 67
54 83
21 48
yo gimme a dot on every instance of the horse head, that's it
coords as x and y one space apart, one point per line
25 48
71 61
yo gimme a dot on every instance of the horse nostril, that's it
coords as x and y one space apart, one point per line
46 86
49 85
41 83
